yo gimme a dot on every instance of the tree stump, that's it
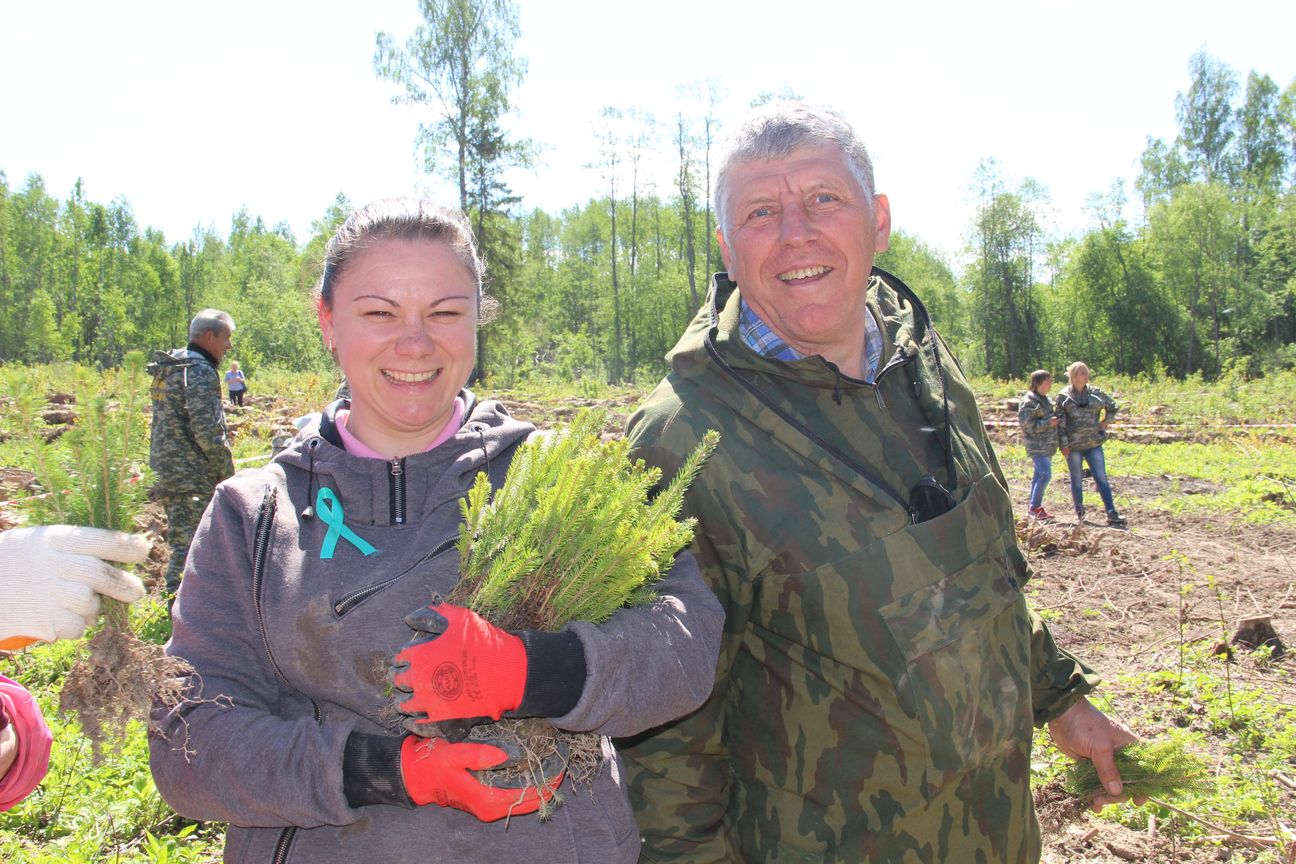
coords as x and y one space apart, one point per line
1257 631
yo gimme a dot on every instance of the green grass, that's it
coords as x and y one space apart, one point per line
83 812
1250 730
1250 481
1191 401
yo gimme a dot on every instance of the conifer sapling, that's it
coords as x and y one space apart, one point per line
573 534
118 675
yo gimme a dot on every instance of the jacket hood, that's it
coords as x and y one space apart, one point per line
1081 399
178 358
902 321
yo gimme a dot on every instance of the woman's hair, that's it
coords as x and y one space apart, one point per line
1038 377
1075 367
410 219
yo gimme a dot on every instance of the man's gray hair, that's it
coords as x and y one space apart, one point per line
774 130
210 321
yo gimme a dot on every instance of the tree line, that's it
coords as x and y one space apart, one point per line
1191 272
1201 280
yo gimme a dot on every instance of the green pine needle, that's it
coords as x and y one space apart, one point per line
1163 768
91 475
572 534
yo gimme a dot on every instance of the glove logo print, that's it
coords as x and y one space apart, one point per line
447 681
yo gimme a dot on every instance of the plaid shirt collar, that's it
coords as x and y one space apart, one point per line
758 336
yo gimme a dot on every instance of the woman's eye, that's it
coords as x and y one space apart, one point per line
825 198
761 212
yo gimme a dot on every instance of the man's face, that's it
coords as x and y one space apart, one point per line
801 241
216 344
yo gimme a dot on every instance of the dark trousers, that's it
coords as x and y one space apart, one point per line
183 513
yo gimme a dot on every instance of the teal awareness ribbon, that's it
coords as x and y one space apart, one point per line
329 510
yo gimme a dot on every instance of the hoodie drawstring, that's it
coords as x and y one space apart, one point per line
308 513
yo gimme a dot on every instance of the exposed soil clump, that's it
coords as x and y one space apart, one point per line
117 679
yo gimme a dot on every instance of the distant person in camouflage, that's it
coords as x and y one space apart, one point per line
1039 425
189 450
881 672
1085 412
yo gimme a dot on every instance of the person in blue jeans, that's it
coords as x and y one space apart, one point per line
1039 425
1085 412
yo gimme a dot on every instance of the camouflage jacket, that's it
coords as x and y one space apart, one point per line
1082 415
189 449
1033 413
878 678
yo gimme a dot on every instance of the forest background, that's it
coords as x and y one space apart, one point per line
1192 271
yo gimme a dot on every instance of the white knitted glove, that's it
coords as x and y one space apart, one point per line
51 578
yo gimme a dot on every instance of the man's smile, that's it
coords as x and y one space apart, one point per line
802 273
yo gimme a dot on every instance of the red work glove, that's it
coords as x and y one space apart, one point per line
437 772
459 667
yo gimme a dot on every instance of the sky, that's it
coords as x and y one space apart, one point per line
192 112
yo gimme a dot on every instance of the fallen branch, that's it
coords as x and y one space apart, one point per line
1223 833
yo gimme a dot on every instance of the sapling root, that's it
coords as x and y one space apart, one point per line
117 679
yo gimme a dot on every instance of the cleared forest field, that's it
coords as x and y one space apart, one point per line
1205 473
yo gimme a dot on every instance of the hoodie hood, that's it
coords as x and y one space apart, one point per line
431 479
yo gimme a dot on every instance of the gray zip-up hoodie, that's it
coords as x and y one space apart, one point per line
290 653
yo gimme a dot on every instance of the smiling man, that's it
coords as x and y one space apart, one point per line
881 673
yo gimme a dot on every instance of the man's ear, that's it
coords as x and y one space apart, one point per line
881 223
724 252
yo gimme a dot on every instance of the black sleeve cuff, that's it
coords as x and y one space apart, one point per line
371 772
555 673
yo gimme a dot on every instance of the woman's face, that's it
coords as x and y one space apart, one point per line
404 327
1080 378
1045 386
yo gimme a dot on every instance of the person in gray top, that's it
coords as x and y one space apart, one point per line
1085 412
1040 435
302 574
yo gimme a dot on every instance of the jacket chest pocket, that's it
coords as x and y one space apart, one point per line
899 667
959 621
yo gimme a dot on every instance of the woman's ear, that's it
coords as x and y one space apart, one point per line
325 315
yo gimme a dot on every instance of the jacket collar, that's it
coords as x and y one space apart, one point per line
328 428
195 348
903 318
431 478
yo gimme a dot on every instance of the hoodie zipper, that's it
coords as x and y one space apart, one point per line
396 483
355 598
260 548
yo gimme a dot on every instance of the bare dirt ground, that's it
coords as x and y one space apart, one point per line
1116 599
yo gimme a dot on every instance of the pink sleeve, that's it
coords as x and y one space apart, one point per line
34 739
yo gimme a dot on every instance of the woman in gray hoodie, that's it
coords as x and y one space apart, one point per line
302 573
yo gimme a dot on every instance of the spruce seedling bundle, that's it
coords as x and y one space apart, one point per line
1162 768
571 535
94 481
